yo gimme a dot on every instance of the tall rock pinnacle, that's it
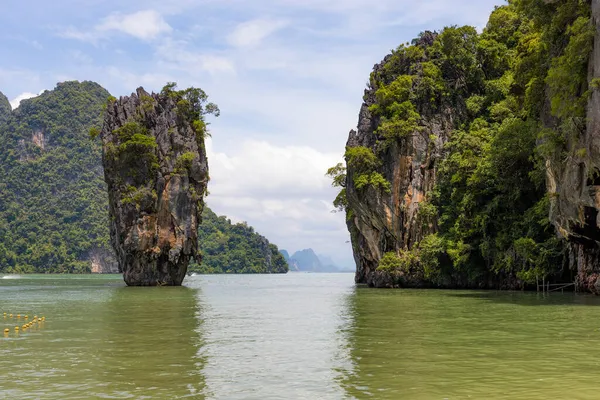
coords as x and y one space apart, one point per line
156 169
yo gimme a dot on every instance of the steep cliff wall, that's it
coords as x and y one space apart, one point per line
467 142
157 173
574 182
382 221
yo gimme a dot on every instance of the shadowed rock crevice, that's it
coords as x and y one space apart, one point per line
156 169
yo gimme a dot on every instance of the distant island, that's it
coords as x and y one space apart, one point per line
308 261
235 249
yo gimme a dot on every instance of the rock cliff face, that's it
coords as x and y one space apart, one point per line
382 222
574 186
157 173
103 262
476 162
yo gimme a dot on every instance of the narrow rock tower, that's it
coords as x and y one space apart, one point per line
156 169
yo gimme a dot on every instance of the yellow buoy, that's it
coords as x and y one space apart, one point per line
11 315
43 318
6 330
16 328
18 315
24 327
27 317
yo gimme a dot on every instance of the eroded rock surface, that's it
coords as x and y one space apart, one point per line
156 169
574 186
383 222
487 226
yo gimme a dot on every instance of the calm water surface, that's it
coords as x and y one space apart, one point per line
296 336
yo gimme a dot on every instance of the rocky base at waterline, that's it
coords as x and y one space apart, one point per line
156 169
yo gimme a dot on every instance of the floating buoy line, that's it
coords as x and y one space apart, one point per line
35 323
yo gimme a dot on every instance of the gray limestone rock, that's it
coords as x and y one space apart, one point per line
574 185
385 222
156 169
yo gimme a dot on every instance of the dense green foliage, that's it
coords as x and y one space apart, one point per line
53 202
337 174
193 106
235 248
364 162
5 109
136 152
490 203
492 199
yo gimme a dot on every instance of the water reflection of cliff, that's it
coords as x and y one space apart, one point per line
385 340
152 344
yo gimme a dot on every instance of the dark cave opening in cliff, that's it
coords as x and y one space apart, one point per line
588 233
594 178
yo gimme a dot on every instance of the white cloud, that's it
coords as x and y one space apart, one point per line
20 80
215 64
131 81
24 39
177 55
252 33
280 190
261 168
14 103
73 33
80 57
143 25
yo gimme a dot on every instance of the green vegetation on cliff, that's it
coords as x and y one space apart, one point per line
235 248
516 96
492 197
53 200
5 108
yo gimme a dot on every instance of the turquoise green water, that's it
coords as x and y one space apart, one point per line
297 336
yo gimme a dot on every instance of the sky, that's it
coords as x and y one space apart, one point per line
288 76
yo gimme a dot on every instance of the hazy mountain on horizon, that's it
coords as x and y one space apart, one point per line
308 261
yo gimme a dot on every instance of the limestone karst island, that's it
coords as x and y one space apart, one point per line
156 171
154 245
